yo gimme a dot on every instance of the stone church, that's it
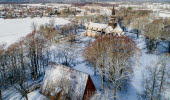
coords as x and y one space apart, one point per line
98 29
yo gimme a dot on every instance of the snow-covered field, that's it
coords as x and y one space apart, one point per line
164 14
13 29
47 5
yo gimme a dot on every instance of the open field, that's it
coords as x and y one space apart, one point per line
13 29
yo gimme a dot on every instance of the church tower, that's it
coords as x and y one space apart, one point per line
112 21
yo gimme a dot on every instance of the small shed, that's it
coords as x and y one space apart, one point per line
64 83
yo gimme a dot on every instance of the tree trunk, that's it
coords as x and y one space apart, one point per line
102 82
0 94
137 34
153 85
32 68
95 71
109 84
156 45
115 92
169 47
162 81
26 97
35 64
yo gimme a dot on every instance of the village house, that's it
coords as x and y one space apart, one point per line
64 83
98 29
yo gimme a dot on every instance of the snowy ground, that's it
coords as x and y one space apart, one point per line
144 60
12 94
13 29
136 83
164 14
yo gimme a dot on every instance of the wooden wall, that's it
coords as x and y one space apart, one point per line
90 89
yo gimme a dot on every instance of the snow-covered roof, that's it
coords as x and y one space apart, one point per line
104 27
96 26
118 29
109 29
72 82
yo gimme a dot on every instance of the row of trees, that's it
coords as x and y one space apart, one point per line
29 54
111 56
24 60
91 18
127 15
142 21
28 58
155 30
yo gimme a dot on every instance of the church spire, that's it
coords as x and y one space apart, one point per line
112 21
113 11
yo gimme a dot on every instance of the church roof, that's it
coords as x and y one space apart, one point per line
70 81
109 29
104 27
96 26
118 29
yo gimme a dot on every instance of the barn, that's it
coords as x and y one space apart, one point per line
64 83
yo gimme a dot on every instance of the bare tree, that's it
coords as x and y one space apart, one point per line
128 15
153 33
120 52
112 55
37 47
166 32
0 94
95 54
22 89
66 55
1 73
139 24
156 80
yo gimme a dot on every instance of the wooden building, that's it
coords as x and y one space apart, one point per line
64 83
